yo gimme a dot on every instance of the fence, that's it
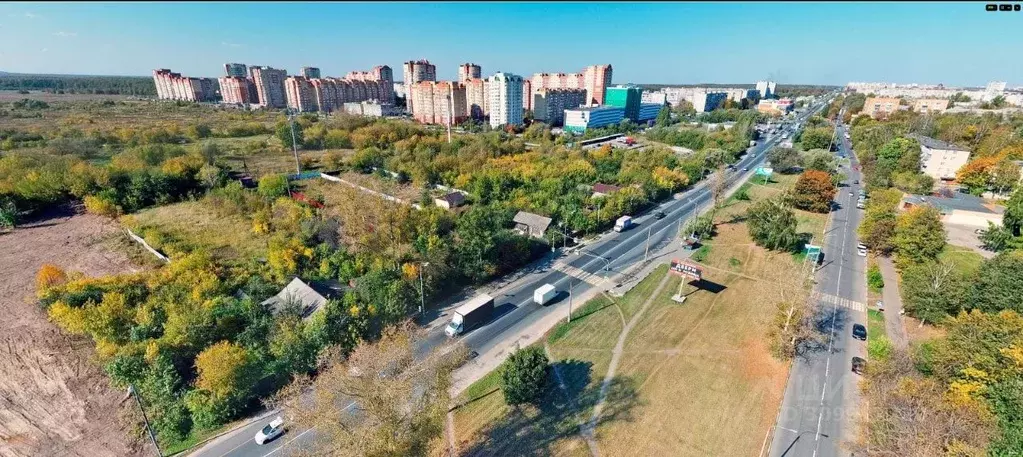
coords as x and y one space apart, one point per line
149 248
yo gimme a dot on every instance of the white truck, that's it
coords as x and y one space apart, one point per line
544 294
623 223
470 315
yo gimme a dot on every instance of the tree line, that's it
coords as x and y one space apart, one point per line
71 84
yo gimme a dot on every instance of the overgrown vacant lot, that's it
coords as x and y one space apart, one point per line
186 226
695 378
55 401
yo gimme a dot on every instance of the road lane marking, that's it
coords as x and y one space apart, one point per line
303 433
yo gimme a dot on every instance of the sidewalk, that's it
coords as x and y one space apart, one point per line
892 303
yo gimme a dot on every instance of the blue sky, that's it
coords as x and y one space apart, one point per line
814 43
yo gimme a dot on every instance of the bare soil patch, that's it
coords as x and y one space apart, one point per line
54 401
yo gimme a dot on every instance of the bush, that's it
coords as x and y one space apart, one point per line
874 278
879 348
524 375
272 187
102 205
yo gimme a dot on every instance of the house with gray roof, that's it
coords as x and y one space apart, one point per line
530 224
307 297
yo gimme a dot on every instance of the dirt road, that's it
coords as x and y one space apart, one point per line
54 400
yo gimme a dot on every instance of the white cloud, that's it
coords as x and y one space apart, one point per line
66 34
230 45
45 49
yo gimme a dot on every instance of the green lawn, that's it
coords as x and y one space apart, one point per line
875 325
965 258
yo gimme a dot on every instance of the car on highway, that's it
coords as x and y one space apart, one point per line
659 215
272 430
858 364
859 332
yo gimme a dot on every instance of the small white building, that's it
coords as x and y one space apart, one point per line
451 200
940 160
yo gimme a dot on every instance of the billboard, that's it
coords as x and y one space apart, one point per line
686 269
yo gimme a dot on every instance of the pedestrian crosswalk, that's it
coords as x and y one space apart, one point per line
843 302
578 273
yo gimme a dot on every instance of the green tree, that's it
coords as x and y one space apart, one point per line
999 284
211 176
772 224
1004 176
821 160
284 134
1013 217
8 213
919 235
878 226
663 117
783 159
817 138
998 238
274 186
524 375
701 226
226 370
813 191
476 236
933 290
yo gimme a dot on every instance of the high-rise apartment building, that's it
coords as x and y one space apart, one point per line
477 100
237 70
414 72
383 79
628 97
235 90
269 84
467 71
549 105
766 89
310 72
300 94
505 95
438 102
594 79
173 86
880 107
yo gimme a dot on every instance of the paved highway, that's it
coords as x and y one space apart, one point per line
515 307
820 404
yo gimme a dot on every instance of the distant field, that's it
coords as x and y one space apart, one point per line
13 95
694 379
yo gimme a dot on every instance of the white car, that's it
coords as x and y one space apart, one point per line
861 252
861 246
272 430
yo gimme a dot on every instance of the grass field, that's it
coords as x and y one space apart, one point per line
182 227
965 259
693 379
875 325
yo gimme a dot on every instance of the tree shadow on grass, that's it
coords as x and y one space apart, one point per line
537 429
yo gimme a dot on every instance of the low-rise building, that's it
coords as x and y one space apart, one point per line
775 106
880 108
957 208
627 97
930 105
529 224
451 200
371 108
307 298
590 117
940 160
648 111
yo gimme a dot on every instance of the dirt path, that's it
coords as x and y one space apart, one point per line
616 355
54 401
892 303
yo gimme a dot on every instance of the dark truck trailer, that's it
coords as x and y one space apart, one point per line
470 315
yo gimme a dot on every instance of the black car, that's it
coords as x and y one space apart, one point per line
659 215
859 332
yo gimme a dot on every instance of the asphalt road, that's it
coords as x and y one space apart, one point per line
514 306
820 404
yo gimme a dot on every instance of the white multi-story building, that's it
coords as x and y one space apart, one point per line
704 101
940 160
505 94
766 89
591 117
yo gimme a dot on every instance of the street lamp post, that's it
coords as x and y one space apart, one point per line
607 263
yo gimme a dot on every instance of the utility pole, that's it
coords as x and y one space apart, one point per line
294 143
133 392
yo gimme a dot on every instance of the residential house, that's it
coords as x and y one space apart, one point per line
308 297
451 200
530 224
940 160
957 208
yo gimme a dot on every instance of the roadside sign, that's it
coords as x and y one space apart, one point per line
686 269
813 252
765 171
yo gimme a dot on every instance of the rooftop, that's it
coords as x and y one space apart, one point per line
308 297
596 108
951 201
936 144
536 222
